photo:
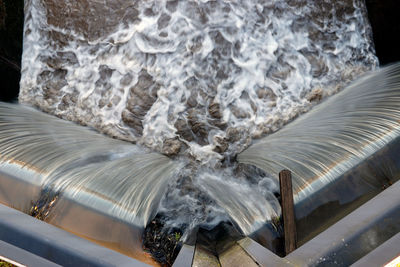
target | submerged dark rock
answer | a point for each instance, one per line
(171, 147)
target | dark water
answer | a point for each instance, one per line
(11, 25)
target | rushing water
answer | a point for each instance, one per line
(198, 80)
(197, 77)
(335, 136)
(69, 159)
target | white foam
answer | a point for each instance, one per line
(233, 50)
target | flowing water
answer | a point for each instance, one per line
(335, 136)
(200, 78)
(71, 158)
(199, 81)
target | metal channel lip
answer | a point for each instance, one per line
(100, 227)
(382, 255)
(33, 176)
(21, 257)
(16, 173)
(350, 228)
(20, 184)
(23, 171)
(335, 239)
(300, 193)
(303, 208)
(185, 256)
(99, 203)
(54, 244)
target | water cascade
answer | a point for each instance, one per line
(336, 137)
(113, 177)
(197, 92)
(199, 78)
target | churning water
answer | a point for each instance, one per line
(198, 80)
(335, 136)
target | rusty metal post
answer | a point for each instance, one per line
(289, 224)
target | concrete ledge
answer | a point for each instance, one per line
(371, 233)
(55, 245)
(356, 234)
(382, 254)
(22, 256)
(261, 255)
(185, 256)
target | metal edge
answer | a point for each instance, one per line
(369, 219)
(23, 257)
(382, 254)
(261, 255)
(185, 256)
(54, 244)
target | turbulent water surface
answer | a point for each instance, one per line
(198, 79)
(335, 136)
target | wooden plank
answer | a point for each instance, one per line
(285, 182)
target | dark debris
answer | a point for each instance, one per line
(42, 207)
(163, 245)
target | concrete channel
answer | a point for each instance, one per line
(32, 242)
(368, 236)
(96, 226)
(346, 242)
(369, 232)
